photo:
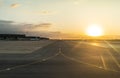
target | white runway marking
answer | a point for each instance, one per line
(24, 65)
(82, 62)
(114, 59)
(103, 61)
(110, 45)
(93, 65)
(8, 69)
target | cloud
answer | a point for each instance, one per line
(5, 22)
(50, 34)
(15, 5)
(44, 12)
(44, 25)
(13, 27)
(41, 26)
(38, 27)
(9, 27)
(42, 29)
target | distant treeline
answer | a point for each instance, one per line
(20, 37)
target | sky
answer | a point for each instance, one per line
(59, 18)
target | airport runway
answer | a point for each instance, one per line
(63, 59)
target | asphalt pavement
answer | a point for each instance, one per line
(63, 59)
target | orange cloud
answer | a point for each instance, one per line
(45, 12)
(15, 5)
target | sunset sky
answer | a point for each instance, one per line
(67, 18)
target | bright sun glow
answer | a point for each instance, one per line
(94, 30)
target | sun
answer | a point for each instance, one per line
(94, 30)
